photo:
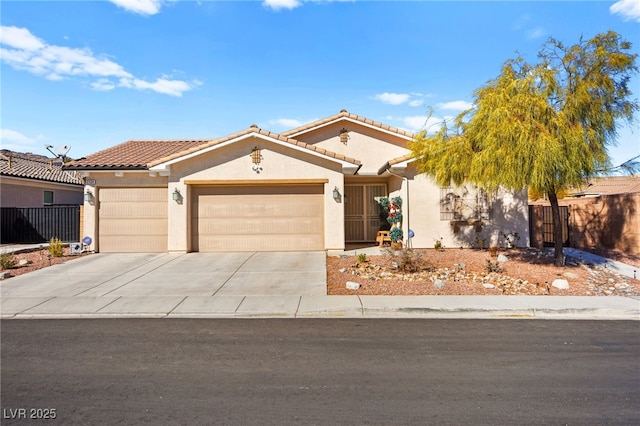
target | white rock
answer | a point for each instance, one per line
(342, 270)
(438, 284)
(488, 286)
(24, 262)
(351, 285)
(502, 258)
(571, 275)
(561, 284)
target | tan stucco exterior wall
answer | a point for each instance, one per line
(509, 214)
(30, 193)
(231, 164)
(373, 148)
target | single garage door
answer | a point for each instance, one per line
(257, 218)
(132, 220)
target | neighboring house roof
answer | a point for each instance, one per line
(134, 155)
(254, 130)
(609, 185)
(344, 114)
(142, 155)
(35, 167)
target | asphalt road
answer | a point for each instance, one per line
(123, 371)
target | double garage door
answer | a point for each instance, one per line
(257, 218)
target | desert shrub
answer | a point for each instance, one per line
(410, 261)
(362, 258)
(493, 266)
(7, 261)
(56, 248)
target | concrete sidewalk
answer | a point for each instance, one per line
(314, 306)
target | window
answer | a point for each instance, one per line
(48, 198)
(464, 202)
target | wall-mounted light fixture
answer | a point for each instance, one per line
(88, 196)
(177, 196)
(344, 136)
(256, 159)
(336, 195)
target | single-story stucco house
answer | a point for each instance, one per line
(33, 180)
(311, 188)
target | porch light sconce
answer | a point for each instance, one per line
(256, 159)
(88, 196)
(177, 196)
(336, 195)
(344, 136)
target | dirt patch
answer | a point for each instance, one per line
(38, 259)
(473, 272)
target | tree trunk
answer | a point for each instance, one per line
(557, 229)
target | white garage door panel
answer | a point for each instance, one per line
(133, 220)
(258, 218)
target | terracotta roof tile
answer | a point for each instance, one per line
(252, 129)
(346, 114)
(610, 185)
(140, 155)
(134, 154)
(35, 167)
(394, 161)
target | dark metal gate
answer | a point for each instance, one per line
(39, 224)
(547, 224)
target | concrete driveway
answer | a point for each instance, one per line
(166, 274)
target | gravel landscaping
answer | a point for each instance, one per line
(474, 272)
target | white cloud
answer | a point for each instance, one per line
(281, 4)
(286, 122)
(536, 33)
(628, 9)
(455, 105)
(416, 102)
(16, 141)
(23, 51)
(20, 38)
(289, 123)
(392, 98)
(141, 7)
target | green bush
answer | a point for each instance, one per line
(362, 258)
(56, 249)
(396, 234)
(7, 261)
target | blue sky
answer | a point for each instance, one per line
(92, 74)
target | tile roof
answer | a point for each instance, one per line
(610, 185)
(134, 154)
(345, 114)
(395, 161)
(250, 130)
(35, 167)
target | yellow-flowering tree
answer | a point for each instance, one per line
(545, 125)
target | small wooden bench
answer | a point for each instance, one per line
(382, 237)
